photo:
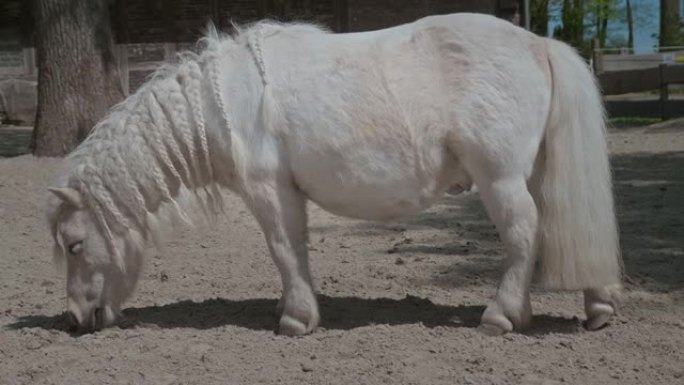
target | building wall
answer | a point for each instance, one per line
(148, 21)
(151, 31)
(155, 21)
(369, 15)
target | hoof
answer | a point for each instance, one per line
(291, 327)
(493, 324)
(497, 319)
(599, 305)
(598, 315)
(298, 313)
(491, 330)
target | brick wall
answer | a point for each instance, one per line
(157, 21)
(369, 15)
(140, 21)
(150, 27)
(240, 11)
(16, 62)
(11, 57)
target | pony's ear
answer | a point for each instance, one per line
(68, 195)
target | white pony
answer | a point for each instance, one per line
(376, 125)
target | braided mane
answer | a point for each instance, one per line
(153, 146)
(149, 148)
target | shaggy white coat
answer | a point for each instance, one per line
(375, 125)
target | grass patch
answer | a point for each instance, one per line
(632, 121)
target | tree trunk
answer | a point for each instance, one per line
(539, 17)
(670, 24)
(602, 14)
(78, 78)
(572, 16)
(630, 25)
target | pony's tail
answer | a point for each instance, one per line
(579, 241)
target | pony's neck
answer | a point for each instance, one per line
(149, 150)
(176, 106)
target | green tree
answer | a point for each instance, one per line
(630, 24)
(572, 19)
(539, 17)
(585, 20)
(603, 10)
(670, 23)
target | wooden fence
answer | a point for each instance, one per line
(638, 85)
(659, 104)
(652, 83)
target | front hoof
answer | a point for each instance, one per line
(290, 326)
(492, 330)
(493, 324)
(497, 319)
(299, 316)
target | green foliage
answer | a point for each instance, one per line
(539, 17)
(582, 21)
(632, 121)
(670, 24)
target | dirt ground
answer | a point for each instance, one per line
(400, 302)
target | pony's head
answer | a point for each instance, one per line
(102, 268)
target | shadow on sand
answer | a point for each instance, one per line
(649, 196)
(340, 313)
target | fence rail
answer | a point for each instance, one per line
(642, 80)
(137, 61)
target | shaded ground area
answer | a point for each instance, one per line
(14, 140)
(650, 203)
(399, 301)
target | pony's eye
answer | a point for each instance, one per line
(76, 247)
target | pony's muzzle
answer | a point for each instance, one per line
(71, 319)
(94, 320)
(98, 318)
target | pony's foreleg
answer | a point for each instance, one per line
(512, 209)
(281, 212)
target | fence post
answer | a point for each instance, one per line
(597, 56)
(122, 59)
(169, 51)
(664, 91)
(30, 68)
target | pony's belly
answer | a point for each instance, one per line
(393, 192)
(372, 202)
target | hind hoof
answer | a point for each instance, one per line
(599, 305)
(598, 316)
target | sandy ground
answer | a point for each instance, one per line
(399, 301)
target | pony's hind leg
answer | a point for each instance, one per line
(281, 212)
(599, 305)
(512, 209)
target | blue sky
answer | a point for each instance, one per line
(647, 19)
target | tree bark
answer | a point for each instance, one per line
(670, 23)
(572, 16)
(539, 18)
(630, 25)
(78, 78)
(602, 15)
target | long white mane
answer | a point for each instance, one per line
(153, 146)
